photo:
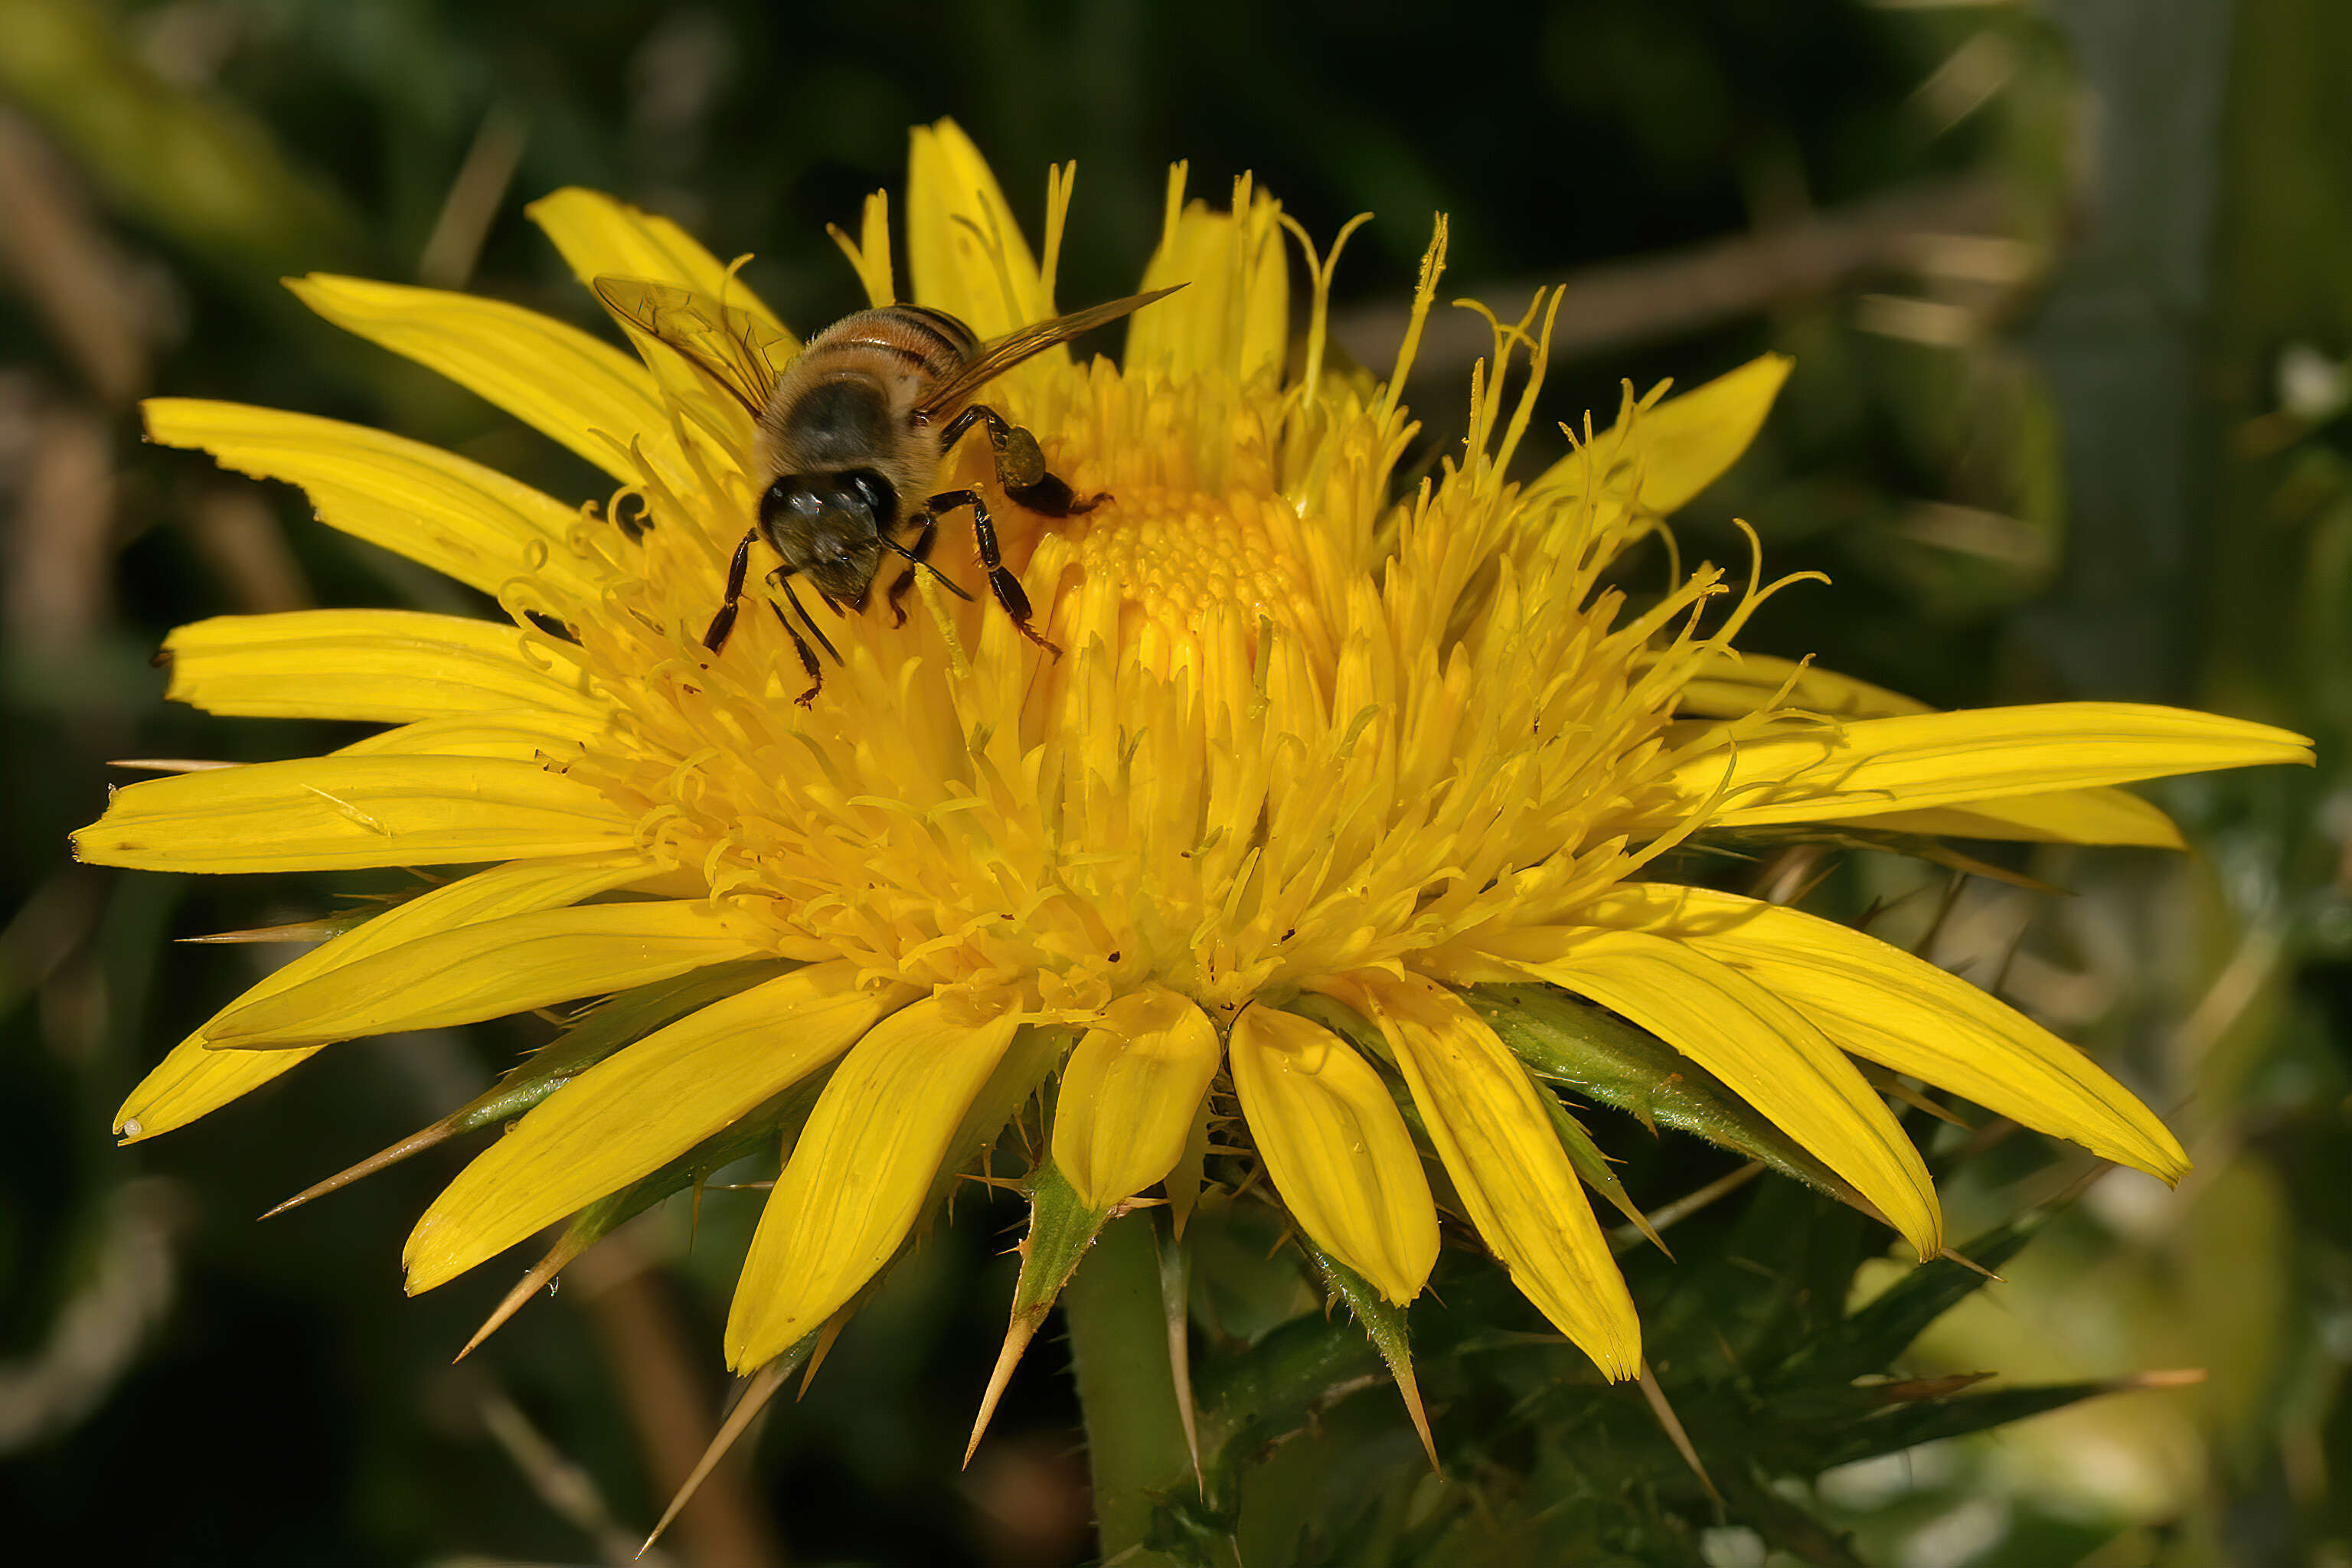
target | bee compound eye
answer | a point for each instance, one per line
(878, 494)
(776, 498)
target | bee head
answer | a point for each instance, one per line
(829, 528)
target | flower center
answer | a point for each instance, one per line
(1175, 556)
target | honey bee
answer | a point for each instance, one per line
(854, 427)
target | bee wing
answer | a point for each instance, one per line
(994, 359)
(734, 347)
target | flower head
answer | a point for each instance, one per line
(1332, 782)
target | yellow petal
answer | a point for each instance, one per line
(1763, 1049)
(1128, 1094)
(195, 1080)
(335, 814)
(1690, 440)
(634, 1112)
(1336, 1148)
(599, 235)
(515, 737)
(1729, 685)
(1496, 1141)
(1233, 316)
(1686, 442)
(553, 377)
(2065, 816)
(964, 248)
(389, 665)
(1875, 765)
(857, 1178)
(494, 968)
(1902, 1012)
(463, 520)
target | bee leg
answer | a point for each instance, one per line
(1020, 465)
(1000, 580)
(917, 554)
(808, 656)
(723, 622)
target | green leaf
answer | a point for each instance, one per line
(1869, 1341)
(1602, 1057)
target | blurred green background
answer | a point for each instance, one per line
(2069, 285)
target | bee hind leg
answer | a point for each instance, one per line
(1021, 465)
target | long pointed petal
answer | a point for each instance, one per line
(634, 1112)
(463, 520)
(1688, 440)
(598, 235)
(519, 735)
(964, 248)
(195, 1080)
(1233, 318)
(1334, 1148)
(1902, 1012)
(554, 377)
(386, 666)
(858, 1176)
(1729, 685)
(1766, 1051)
(1875, 765)
(1129, 1096)
(495, 968)
(335, 814)
(2064, 816)
(1498, 1143)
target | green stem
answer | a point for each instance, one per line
(1118, 1344)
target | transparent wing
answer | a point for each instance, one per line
(734, 347)
(994, 359)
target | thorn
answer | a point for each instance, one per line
(1176, 1310)
(1687, 1205)
(1906, 1390)
(1948, 1255)
(1674, 1433)
(415, 1142)
(1409, 1387)
(301, 931)
(2176, 1377)
(826, 1336)
(558, 1258)
(2079, 1186)
(170, 765)
(758, 1390)
(1018, 1335)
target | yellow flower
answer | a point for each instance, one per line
(1315, 754)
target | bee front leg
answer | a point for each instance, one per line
(1021, 465)
(723, 622)
(1000, 580)
(917, 553)
(808, 655)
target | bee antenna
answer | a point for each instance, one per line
(941, 578)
